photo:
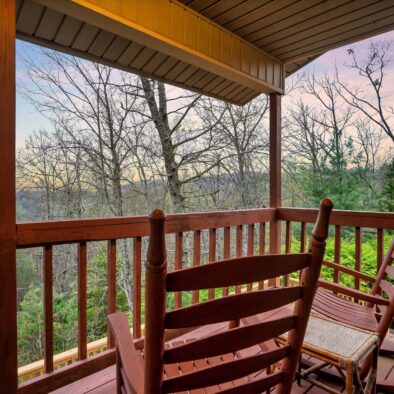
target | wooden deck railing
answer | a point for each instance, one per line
(226, 234)
(373, 222)
(249, 227)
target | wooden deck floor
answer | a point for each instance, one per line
(103, 382)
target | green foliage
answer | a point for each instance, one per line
(65, 313)
(387, 198)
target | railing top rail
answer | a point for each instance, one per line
(383, 220)
(75, 230)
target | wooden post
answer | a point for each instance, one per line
(155, 300)
(275, 173)
(8, 344)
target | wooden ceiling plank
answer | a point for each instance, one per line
(213, 84)
(221, 7)
(117, 47)
(155, 62)
(178, 69)
(295, 23)
(236, 92)
(86, 36)
(143, 58)
(196, 77)
(29, 17)
(101, 43)
(187, 73)
(332, 31)
(49, 24)
(224, 84)
(247, 97)
(245, 27)
(166, 66)
(357, 34)
(260, 14)
(326, 21)
(201, 5)
(68, 31)
(204, 81)
(18, 7)
(130, 53)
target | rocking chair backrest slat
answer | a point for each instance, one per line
(231, 272)
(236, 271)
(232, 307)
(230, 340)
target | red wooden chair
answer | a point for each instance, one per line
(154, 373)
(375, 314)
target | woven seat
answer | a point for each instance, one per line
(328, 303)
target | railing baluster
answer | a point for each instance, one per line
(357, 259)
(111, 284)
(212, 256)
(250, 247)
(380, 247)
(226, 251)
(303, 237)
(196, 261)
(288, 247)
(48, 308)
(82, 278)
(238, 250)
(337, 251)
(262, 248)
(137, 283)
(178, 266)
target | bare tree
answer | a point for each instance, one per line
(243, 142)
(369, 98)
(185, 144)
(84, 100)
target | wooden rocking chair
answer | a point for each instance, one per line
(154, 372)
(374, 315)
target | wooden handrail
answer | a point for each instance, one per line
(379, 220)
(77, 230)
(202, 226)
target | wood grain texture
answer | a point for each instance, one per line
(236, 271)
(8, 289)
(233, 307)
(76, 230)
(82, 283)
(225, 371)
(230, 341)
(275, 169)
(48, 308)
(137, 284)
(111, 285)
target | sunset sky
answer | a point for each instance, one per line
(28, 119)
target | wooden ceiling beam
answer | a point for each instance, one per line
(175, 30)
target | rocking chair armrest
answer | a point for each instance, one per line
(336, 287)
(130, 359)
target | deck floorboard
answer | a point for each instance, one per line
(103, 382)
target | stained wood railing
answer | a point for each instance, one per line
(226, 233)
(373, 223)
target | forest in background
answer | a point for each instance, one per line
(122, 145)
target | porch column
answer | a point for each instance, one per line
(8, 344)
(275, 168)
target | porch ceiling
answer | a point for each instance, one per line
(230, 49)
